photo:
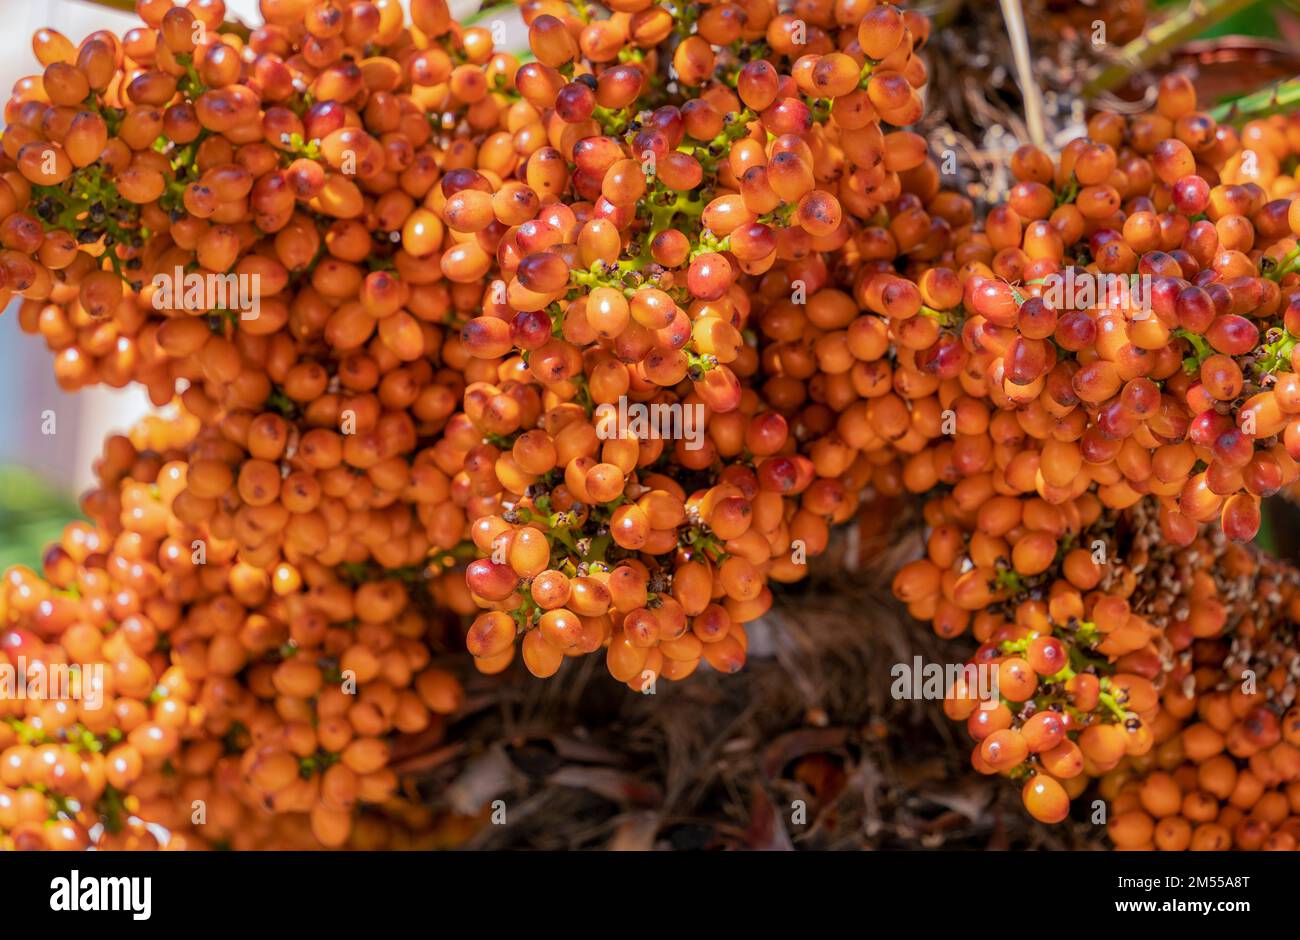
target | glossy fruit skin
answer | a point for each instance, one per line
(474, 269)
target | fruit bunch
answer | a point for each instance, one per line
(1088, 438)
(616, 258)
(581, 354)
(1225, 769)
(1060, 687)
(1179, 382)
(183, 147)
(354, 440)
(228, 703)
(1091, 668)
(602, 212)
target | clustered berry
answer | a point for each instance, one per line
(470, 268)
(1164, 409)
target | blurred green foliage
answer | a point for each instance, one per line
(1258, 19)
(33, 513)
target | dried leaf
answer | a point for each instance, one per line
(795, 744)
(485, 777)
(636, 833)
(616, 785)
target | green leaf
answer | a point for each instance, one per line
(32, 515)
